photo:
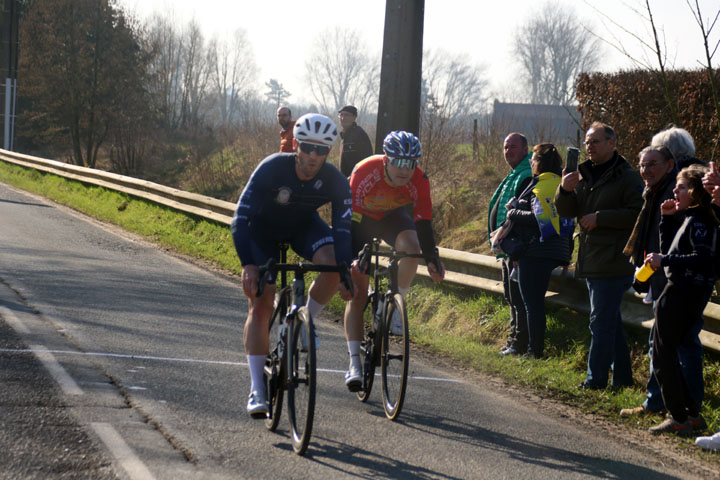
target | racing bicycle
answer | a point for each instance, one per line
(291, 364)
(379, 347)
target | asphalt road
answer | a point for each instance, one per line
(118, 360)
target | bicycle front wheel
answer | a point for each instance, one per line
(395, 356)
(273, 365)
(301, 380)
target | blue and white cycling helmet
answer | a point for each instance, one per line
(402, 149)
(315, 128)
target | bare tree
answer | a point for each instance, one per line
(233, 73)
(453, 91)
(706, 28)
(180, 72)
(276, 92)
(553, 48)
(656, 47)
(195, 59)
(340, 71)
(163, 41)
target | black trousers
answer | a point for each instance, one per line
(518, 337)
(676, 312)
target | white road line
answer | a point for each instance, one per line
(14, 321)
(127, 459)
(193, 360)
(67, 384)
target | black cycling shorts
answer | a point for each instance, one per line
(315, 234)
(363, 228)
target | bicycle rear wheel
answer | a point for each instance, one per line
(369, 350)
(301, 380)
(394, 358)
(274, 364)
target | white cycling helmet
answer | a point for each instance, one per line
(315, 128)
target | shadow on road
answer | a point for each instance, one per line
(564, 462)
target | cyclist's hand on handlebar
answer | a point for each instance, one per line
(345, 293)
(250, 281)
(355, 268)
(436, 269)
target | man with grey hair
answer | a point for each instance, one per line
(690, 352)
(680, 143)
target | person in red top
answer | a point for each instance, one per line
(383, 188)
(284, 116)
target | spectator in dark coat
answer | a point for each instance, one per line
(550, 244)
(606, 202)
(356, 144)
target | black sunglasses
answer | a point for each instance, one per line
(321, 150)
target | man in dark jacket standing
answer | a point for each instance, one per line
(605, 195)
(356, 144)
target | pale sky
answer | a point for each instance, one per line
(281, 32)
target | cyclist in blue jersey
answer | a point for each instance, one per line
(279, 204)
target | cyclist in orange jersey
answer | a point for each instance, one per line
(383, 188)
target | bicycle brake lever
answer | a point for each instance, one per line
(364, 258)
(346, 278)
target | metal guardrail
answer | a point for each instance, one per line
(466, 269)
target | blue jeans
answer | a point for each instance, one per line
(608, 346)
(534, 278)
(690, 355)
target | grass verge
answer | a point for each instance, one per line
(455, 322)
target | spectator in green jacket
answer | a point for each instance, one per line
(518, 158)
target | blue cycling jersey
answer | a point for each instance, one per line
(278, 206)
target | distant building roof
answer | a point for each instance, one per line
(539, 123)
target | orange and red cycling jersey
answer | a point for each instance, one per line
(372, 194)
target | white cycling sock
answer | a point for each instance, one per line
(354, 350)
(257, 365)
(403, 291)
(314, 307)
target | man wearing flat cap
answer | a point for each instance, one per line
(356, 144)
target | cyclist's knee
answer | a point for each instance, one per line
(324, 255)
(407, 241)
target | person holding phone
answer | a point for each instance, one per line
(605, 195)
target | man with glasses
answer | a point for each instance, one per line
(279, 204)
(605, 194)
(356, 144)
(383, 187)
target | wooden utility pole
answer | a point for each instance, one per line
(8, 70)
(401, 69)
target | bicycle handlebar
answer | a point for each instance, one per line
(264, 272)
(367, 252)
